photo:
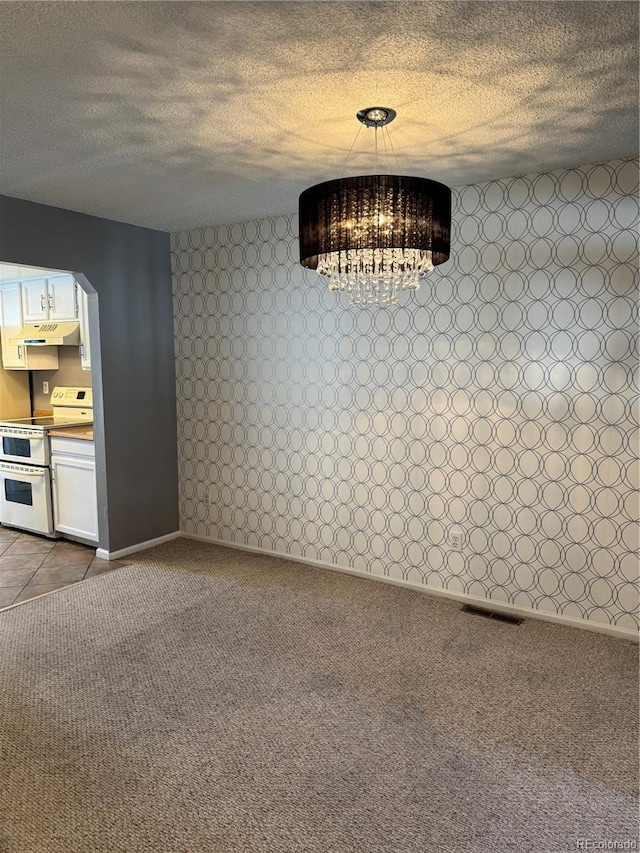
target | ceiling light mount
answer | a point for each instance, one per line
(376, 116)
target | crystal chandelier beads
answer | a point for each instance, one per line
(374, 276)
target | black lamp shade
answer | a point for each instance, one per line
(374, 212)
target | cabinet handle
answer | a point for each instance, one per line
(50, 302)
(42, 302)
(81, 350)
(19, 353)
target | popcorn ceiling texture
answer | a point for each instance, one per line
(500, 399)
(173, 115)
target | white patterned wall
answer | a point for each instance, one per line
(500, 399)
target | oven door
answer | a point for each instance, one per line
(25, 498)
(18, 445)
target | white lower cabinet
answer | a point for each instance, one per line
(73, 474)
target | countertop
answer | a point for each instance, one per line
(84, 433)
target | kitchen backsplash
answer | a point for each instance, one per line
(69, 373)
(499, 401)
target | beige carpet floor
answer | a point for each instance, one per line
(203, 699)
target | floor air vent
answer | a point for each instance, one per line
(491, 614)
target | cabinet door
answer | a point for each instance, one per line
(75, 504)
(34, 301)
(13, 357)
(61, 298)
(83, 316)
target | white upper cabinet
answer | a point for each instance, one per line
(62, 299)
(52, 298)
(83, 316)
(19, 357)
(13, 356)
(34, 300)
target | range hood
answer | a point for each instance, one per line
(48, 334)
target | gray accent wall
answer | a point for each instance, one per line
(132, 348)
(498, 404)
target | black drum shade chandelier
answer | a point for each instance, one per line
(374, 235)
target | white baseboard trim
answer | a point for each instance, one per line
(462, 597)
(141, 546)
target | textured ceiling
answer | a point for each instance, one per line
(177, 114)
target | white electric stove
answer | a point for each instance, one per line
(25, 477)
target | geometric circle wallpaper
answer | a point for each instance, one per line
(498, 404)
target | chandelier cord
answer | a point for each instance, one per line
(395, 156)
(375, 148)
(344, 162)
(386, 152)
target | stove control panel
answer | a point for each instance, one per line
(75, 397)
(25, 432)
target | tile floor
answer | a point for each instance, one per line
(31, 565)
